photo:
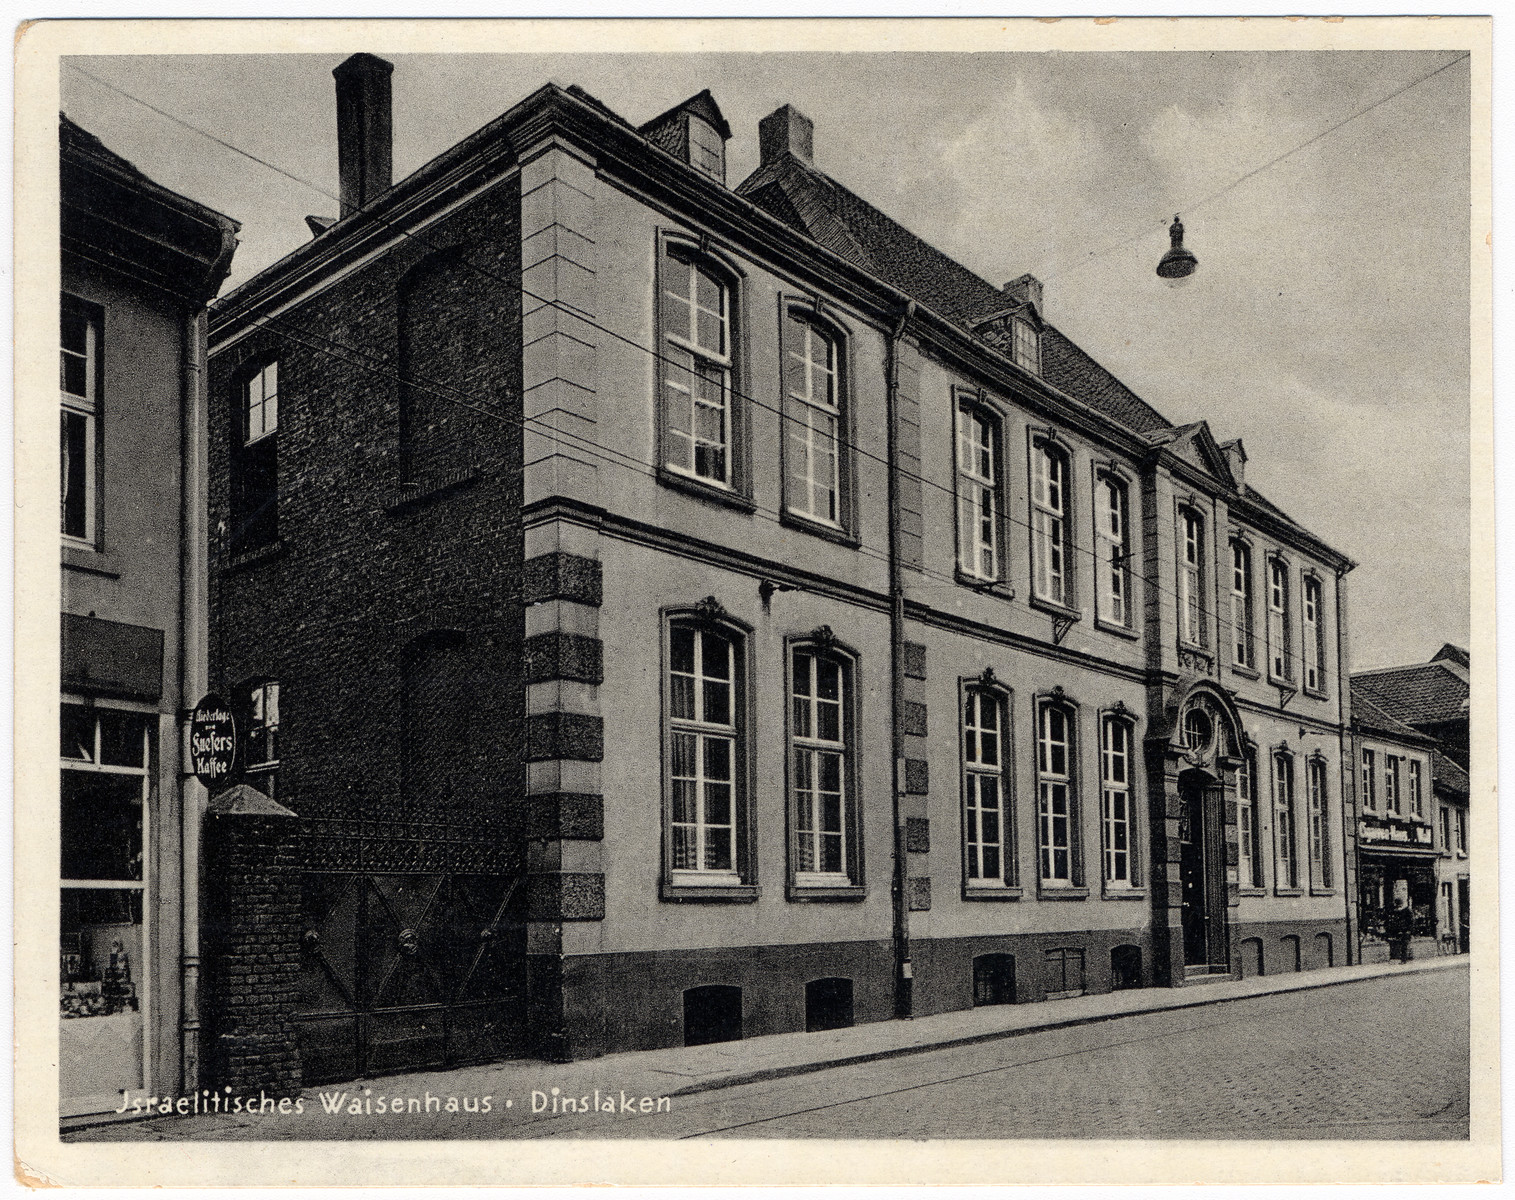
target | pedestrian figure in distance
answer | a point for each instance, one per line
(1397, 929)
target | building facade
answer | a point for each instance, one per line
(702, 611)
(139, 263)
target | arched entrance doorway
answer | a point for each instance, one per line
(1194, 846)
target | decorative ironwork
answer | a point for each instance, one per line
(710, 609)
(988, 678)
(823, 637)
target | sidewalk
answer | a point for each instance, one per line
(486, 1100)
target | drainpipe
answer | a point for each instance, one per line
(1348, 749)
(903, 977)
(193, 649)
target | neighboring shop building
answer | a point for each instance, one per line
(1425, 706)
(700, 612)
(139, 263)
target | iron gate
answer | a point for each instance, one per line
(405, 969)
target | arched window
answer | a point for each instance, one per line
(1112, 529)
(1285, 846)
(824, 844)
(988, 831)
(814, 421)
(1051, 551)
(696, 322)
(1279, 665)
(1249, 822)
(1191, 578)
(706, 753)
(1313, 642)
(1320, 824)
(980, 485)
(1242, 651)
(1117, 802)
(1056, 796)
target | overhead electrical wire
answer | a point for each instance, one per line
(612, 455)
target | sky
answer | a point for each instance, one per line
(1327, 325)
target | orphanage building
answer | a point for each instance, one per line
(679, 611)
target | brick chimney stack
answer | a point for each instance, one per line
(364, 130)
(786, 130)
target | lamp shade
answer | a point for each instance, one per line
(1178, 263)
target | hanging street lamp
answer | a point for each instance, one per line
(1178, 264)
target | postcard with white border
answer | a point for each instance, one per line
(799, 601)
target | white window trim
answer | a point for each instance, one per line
(1243, 641)
(1317, 785)
(690, 258)
(1109, 790)
(969, 538)
(1046, 781)
(1193, 628)
(88, 407)
(259, 377)
(972, 769)
(814, 746)
(1050, 524)
(1280, 665)
(1285, 825)
(701, 730)
(811, 407)
(1113, 548)
(1312, 631)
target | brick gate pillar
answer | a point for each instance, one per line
(251, 926)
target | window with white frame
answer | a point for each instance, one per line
(1417, 796)
(79, 383)
(1369, 779)
(989, 859)
(824, 850)
(1249, 824)
(1285, 851)
(1112, 528)
(705, 697)
(1391, 798)
(1446, 830)
(1243, 652)
(813, 421)
(1279, 666)
(1460, 820)
(1049, 524)
(695, 317)
(1191, 577)
(1320, 824)
(262, 744)
(1026, 344)
(978, 493)
(1056, 817)
(1117, 815)
(1314, 637)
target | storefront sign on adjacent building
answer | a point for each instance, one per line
(212, 741)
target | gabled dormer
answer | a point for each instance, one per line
(1016, 329)
(695, 132)
(1196, 445)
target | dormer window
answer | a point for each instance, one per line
(707, 152)
(1026, 345)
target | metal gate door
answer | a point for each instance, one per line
(404, 970)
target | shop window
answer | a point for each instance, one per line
(80, 357)
(993, 979)
(987, 833)
(706, 766)
(1051, 544)
(105, 791)
(255, 460)
(824, 845)
(828, 1004)
(1065, 973)
(712, 1014)
(980, 485)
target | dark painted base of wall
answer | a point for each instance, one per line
(944, 966)
(1282, 947)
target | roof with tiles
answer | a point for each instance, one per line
(1368, 715)
(1422, 694)
(812, 202)
(1447, 775)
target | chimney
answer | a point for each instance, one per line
(364, 131)
(786, 130)
(1236, 459)
(1026, 290)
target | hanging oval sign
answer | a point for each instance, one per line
(212, 741)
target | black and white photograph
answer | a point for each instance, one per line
(872, 586)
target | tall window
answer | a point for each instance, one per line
(1278, 620)
(707, 149)
(1460, 819)
(255, 461)
(1417, 796)
(704, 703)
(813, 422)
(824, 850)
(1283, 821)
(1242, 651)
(1249, 823)
(1314, 638)
(1191, 577)
(1369, 780)
(1026, 345)
(1446, 830)
(1391, 784)
(262, 764)
(79, 383)
(1320, 825)
(1113, 545)
(1049, 524)
(986, 813)
(1117, 818)
(696, 323)
(978, 494)
(1056, 830)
